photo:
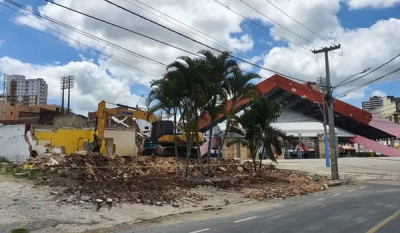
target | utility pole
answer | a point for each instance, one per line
(322, 87)
(3, 107)
(331, 117)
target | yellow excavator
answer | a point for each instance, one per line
(160, 142)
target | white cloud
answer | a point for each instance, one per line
(355, 95)
(379, 93)
(1, 42)
(92, 83)
(362, 48)
(358, 4)
(365, 47)
(30, 19)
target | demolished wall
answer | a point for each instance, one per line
(13, 144)
(70, 120)
(124, 141)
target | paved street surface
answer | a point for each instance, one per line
(360, 169)
(355, 208)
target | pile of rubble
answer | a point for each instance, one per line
(155, 180)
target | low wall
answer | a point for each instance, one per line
(13, 143)
(72, 139)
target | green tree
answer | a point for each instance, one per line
(163, 96)
(239, 89)
(268, 112)
(257, 130)
(218, 69)
(189, 76)
(246, 125)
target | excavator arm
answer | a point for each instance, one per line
(101, 122)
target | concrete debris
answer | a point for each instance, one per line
(152, 180)
(176, 205)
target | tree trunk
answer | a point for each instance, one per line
(209, 151)
(254, 164)
(199, 154)
(221, 146)
(261, 158)
(176, 145)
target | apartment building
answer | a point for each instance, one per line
(390, 109)
(373, 102)
(28, 92)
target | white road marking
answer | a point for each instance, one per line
(202, 230)
(321, 199)
(362, 187)
(337, 194)
(245, 219)
(350, 191)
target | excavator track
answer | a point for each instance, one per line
(169, 151)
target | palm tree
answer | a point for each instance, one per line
(189, 76)
(268, 112)
(256, 122)
(240, 89)
(166, 99)
(218, 69)
(246, 125)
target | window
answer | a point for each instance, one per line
(11, 113)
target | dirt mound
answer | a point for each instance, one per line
(152, 179)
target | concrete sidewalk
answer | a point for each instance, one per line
(361, 169)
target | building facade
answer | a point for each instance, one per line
(20, 112)
(373, 102)
(28, 92)
(389, 110)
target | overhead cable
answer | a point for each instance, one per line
(259, 25)
(371, 71)
(279, 24)
(299, 22)
(81, 32)
(194, 29)
(93, 49)
(165, 43)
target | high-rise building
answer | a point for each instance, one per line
(373, 102)
(28, 92)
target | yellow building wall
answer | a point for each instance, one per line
(73, 139)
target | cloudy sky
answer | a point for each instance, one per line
(108, 63)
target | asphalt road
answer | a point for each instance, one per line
(362, 208)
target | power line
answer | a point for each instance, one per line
(148, 37)
(299, 22)
(77, 42)
(279, 24)
(374, 80)
(78, 31)
(370, 71)
(227, 45)
(259, 25)
(120, 27)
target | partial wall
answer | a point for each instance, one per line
(73, 139)
(124, 142)
(13, 144)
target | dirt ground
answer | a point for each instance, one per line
(88, 192)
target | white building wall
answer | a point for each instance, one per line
(13, 145)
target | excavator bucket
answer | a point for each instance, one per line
(92, 146)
